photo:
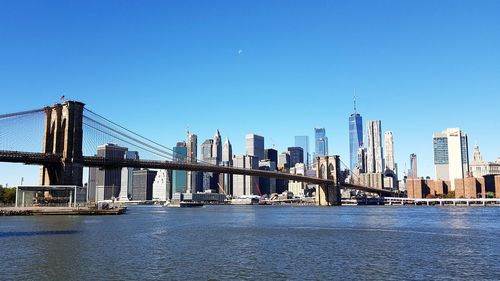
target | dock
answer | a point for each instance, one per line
(60, 211)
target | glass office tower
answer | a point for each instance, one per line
(355, 138)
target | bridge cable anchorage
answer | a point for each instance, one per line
(175, 154)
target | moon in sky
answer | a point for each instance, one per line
(240, 51)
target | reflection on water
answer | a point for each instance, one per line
(256, 243)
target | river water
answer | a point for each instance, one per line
(256, 243)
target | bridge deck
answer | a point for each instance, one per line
(34, 158)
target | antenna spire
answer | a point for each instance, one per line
(355, 109)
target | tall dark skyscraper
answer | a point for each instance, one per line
(355, 136)
(271, 154)
(303, 141)
(296, 155)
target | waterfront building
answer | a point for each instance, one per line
(479, 167)
(192, 155)
(108, 181)
(321, 142)
(303, 142)
(227, 179)
(127, 177)
(297, 188)
(296, 155)
(245, 185)
(179, 178)
(91, 185)
(451, 155)
(267, 185)
(469, 187)
(255, 146)
(374, 154)
(355, 136)
(162, 185)
(143, 184)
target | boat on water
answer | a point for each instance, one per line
(245, 200)
(183, 204)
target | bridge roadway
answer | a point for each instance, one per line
(36, 158)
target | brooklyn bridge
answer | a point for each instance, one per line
(70, 132)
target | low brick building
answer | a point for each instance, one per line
(470, 187)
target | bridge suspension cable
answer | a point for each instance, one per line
(22, 131)
(111, 129)
(160, 154)
(123, 135)
(2, 116)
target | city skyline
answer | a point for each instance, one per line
(416, 85)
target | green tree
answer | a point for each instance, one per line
(7, 195)
(450, 195)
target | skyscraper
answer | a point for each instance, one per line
(361, 160)
(255, 146)
(303, 141)
(227, 151)
(108, 181)
(206, 180)
(284, 161)
(143, 184)
(245, 185)
(127, 177)
(162, 186)
(451, 155)
(296, 155)
(413, 172)
(179, 178)
(374, 160)
(227, 161)
(389, 151)
(355, 136)
(271, 154)
(321, 142)
(267, 185)
(206, 150)
(217, 147)
(192, 154)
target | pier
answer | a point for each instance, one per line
(59, 211)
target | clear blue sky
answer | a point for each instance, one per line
(159, 66)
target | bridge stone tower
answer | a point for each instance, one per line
(328, 167)
(63, 135)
